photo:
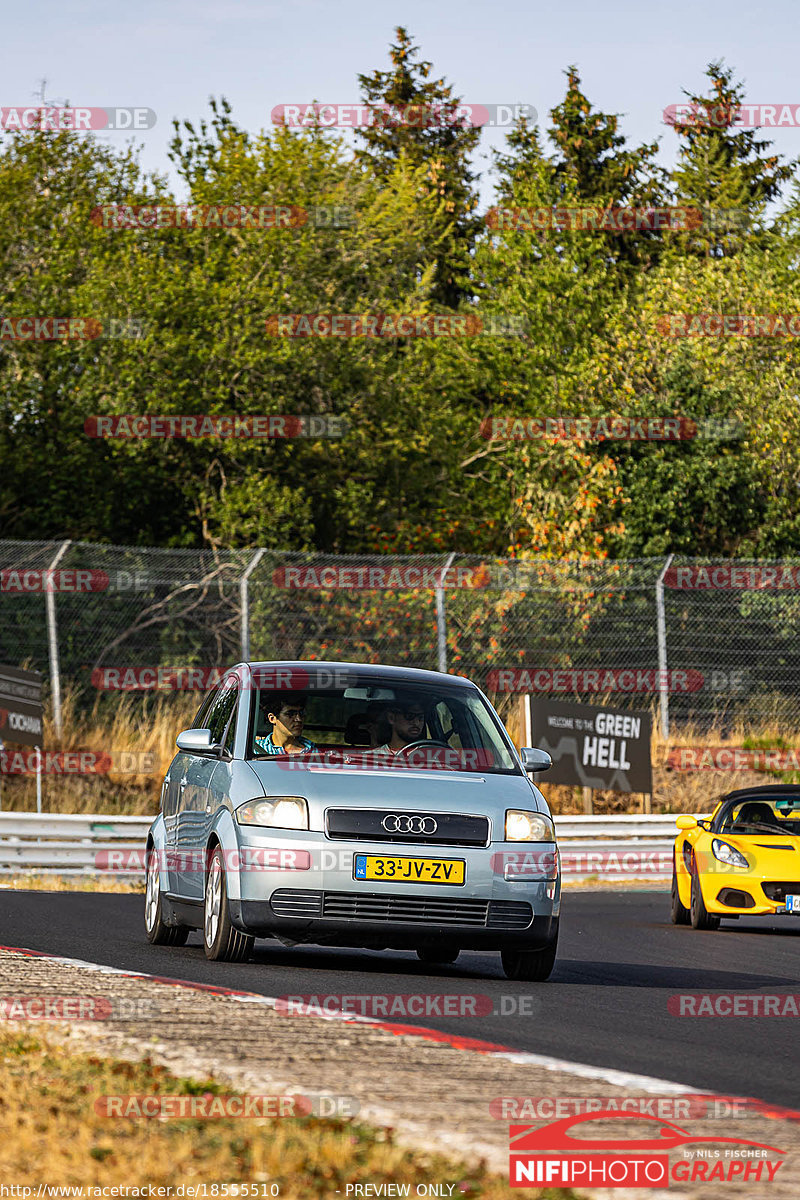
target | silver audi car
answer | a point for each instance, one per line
(345, 804)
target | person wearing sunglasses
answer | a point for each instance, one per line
(406, 720)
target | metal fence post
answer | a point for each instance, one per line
(661, 631)
(52, 639)
(244, 594)
(441, 623)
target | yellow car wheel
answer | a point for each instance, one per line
(679, 914)
(698, 913)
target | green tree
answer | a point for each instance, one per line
(429, 133)
(725, 171)
(593, 163)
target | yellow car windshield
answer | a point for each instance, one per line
(762, 816)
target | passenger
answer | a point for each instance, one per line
(286, 713)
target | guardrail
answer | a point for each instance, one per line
(613, 848)
(66, 844)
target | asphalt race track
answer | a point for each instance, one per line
(606, 1003)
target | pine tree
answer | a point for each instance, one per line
(593, 162)
(430, 134)
(593, 165)
(724, 170)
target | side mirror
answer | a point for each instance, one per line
(686, 822)
(197, 741)
(535, 760)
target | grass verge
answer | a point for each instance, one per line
(51, 1133)
(70, 883)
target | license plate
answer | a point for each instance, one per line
(793, 904)
(382, 868)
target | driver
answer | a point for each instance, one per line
(406, 719)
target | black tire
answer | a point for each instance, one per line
(530, 966)
(699, 915)
(679, 914)
(434, 956)
(158, 933)
(221, 942)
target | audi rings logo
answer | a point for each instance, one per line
(405, 823)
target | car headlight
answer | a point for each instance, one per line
(728, 854)
(281, 812)
(522, 826)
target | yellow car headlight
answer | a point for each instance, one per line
(279, 812)
(523, 826)
(728, 854)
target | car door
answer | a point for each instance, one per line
(174, 800)
(196, 810)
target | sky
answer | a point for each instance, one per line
(171, 55)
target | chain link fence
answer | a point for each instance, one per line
(704, 642)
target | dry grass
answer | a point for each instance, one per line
(50, 1133)
(71, 883)
(116, 725)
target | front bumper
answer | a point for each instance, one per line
(746, 896)
(317, 900)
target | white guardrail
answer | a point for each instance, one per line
(613, 848)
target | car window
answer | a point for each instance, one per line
(457, 727)
(758, 816)
(443, 717)
(230, 736)
(221, 710)
(204, 709)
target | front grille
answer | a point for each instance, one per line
(402, 910)
(779, 891)
(294, 902)
(435, 828)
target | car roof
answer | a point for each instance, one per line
(765, 790)
(377, 670)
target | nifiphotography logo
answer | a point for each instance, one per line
(551, 1155)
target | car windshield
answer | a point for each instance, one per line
(759, 815)
(372, 722)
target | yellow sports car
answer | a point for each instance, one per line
(740, 861)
